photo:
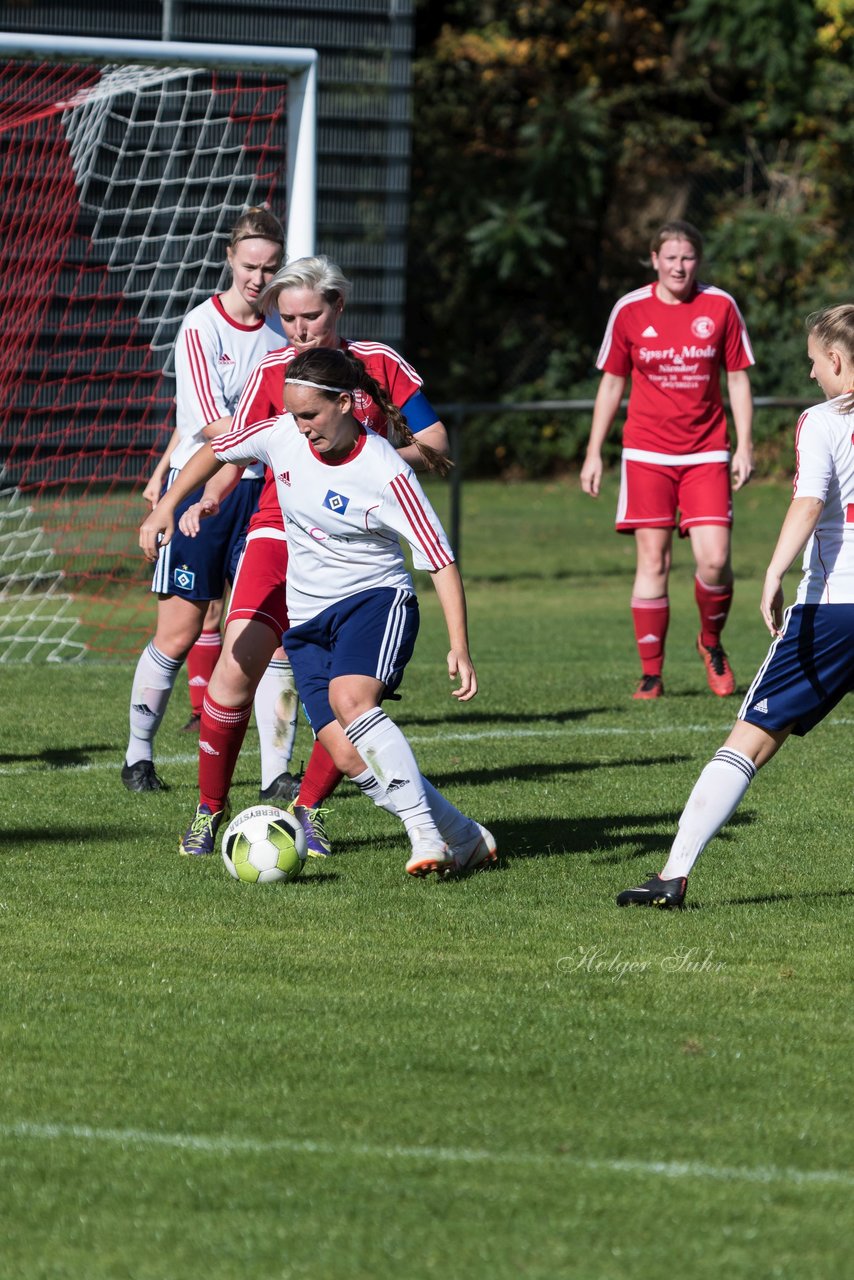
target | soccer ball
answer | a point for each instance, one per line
(263, 844)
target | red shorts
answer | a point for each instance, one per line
(258, 592)
(654, 496)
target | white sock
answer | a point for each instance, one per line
(717, 794)
(454, 827)
(385, 750)
(153, 682)
(276, 709)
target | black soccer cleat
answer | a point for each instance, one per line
(655, 893)
(141, 777)
(285, 787)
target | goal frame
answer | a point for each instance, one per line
(299, 65)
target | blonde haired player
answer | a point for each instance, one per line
(810, 665)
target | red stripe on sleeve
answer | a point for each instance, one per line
(201, 379)
(425, 534)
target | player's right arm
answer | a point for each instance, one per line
(606, 406)
(798, 526)
(157, 529)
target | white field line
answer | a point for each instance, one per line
(471, 735)
(222, 1145)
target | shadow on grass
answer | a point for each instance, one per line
(454, 720)
(762, 898)
(66, 758)
(627, 836)
(530, 772)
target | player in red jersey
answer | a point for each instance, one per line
(673, 338)
(309, 295)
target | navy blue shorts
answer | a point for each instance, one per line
(809, 668)
(369, 634)
(198, 568)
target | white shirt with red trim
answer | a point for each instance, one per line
(674, 354)
(214, 356)
(264, 397)
(824, 448)
(343, 519)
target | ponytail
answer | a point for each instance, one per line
(334, 371)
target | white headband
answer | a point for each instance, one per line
(304, 382)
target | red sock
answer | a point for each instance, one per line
(221, 735)
(201, 661)
(320, 779)
(651, 618)
(713, 603)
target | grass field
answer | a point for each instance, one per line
(358, 1075)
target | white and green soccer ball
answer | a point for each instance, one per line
(264, 844)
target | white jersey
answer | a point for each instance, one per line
(343, 519)
(214, 356)
(825, 469)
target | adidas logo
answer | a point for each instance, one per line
(142, 710)
(649, 332)
(198, 682)
(225, 358)
(207, 748)
(396, 784)
(761, 707)
(648, 639)
(285, 477)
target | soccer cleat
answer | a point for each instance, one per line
(285, 787)
(312, 822)
(192, 725)
(655, 893)
(484, 853)
(718, 671)
(141, 777)
(428, 857)
(648, 687)
(199, 839)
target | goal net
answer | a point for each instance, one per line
(119, 183)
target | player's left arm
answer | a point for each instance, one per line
(423, 422)
(452, 597)
(798, 526)
(741, 405)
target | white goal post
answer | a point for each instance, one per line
(123, 166)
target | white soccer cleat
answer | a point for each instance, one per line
(429, 856)
(482, 852)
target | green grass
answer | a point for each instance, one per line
(356, 1075)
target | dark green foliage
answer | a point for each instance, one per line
(550, 141)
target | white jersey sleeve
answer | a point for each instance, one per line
(214, 357)
(406, 511)
(825, 470)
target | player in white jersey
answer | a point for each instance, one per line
(810, 665)
(348, 499)
(218, 345)
(308, 295)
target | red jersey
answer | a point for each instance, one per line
(263, 397)
(674, 354)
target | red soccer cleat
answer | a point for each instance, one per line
(718, 671)
(648, 687)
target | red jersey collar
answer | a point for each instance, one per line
(348, 457)
(235, 324)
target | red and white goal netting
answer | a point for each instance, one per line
(118, 187)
